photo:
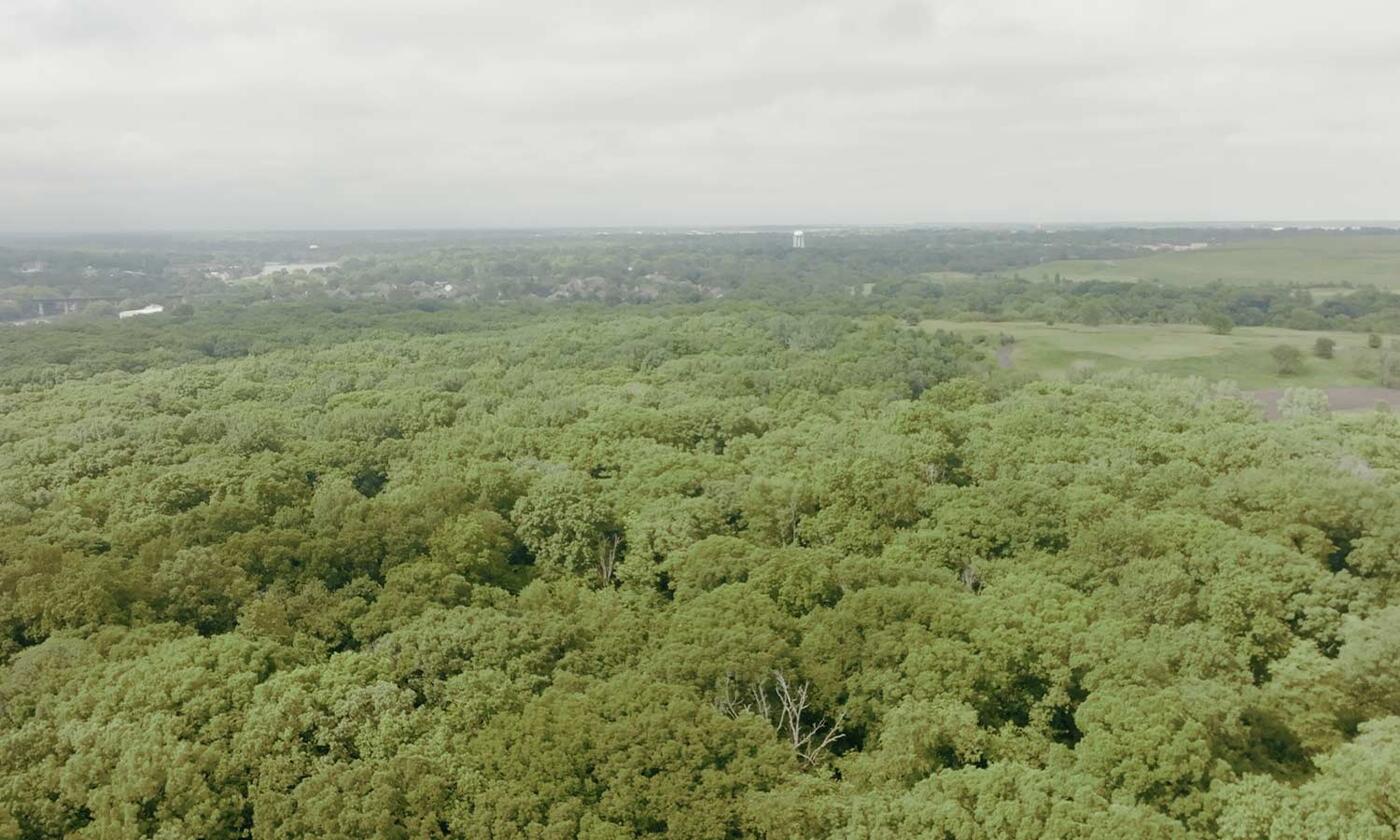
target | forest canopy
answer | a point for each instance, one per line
(347, 569)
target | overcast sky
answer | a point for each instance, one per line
(239, 114)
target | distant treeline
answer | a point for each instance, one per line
(80, 347)
(972, 274)
(1098, 301)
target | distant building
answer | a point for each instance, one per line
(145, 310)
(797, 240)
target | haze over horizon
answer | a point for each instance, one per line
(427, 114)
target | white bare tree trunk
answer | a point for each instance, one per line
(786, 707)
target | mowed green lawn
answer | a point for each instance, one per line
(1321, 259)
(1177, 349)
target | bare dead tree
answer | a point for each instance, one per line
(809, 741)
(794, 518)
(734, 700)
(971, 579)
(787, 708)
(607, 556)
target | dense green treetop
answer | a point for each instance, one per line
(703, 571)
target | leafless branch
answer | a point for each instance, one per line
(786, 706)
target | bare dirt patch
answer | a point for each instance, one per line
(1340, 399)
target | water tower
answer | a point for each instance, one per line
(797, 240)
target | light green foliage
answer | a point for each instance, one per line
(568, 526)
(1288, 360)
(1297, 403)
(705, 572)
(1353, 794)
(476, 544)
(1218, 322)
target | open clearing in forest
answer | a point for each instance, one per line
(1339, 399)
(1178, 349)
(1320, 259)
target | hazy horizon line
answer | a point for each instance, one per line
(1334, 225)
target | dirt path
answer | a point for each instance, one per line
(1004, 356)
(1340, 399)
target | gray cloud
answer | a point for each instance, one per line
(369, 113)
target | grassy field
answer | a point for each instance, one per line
(1178, 349)
(1308, 260)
